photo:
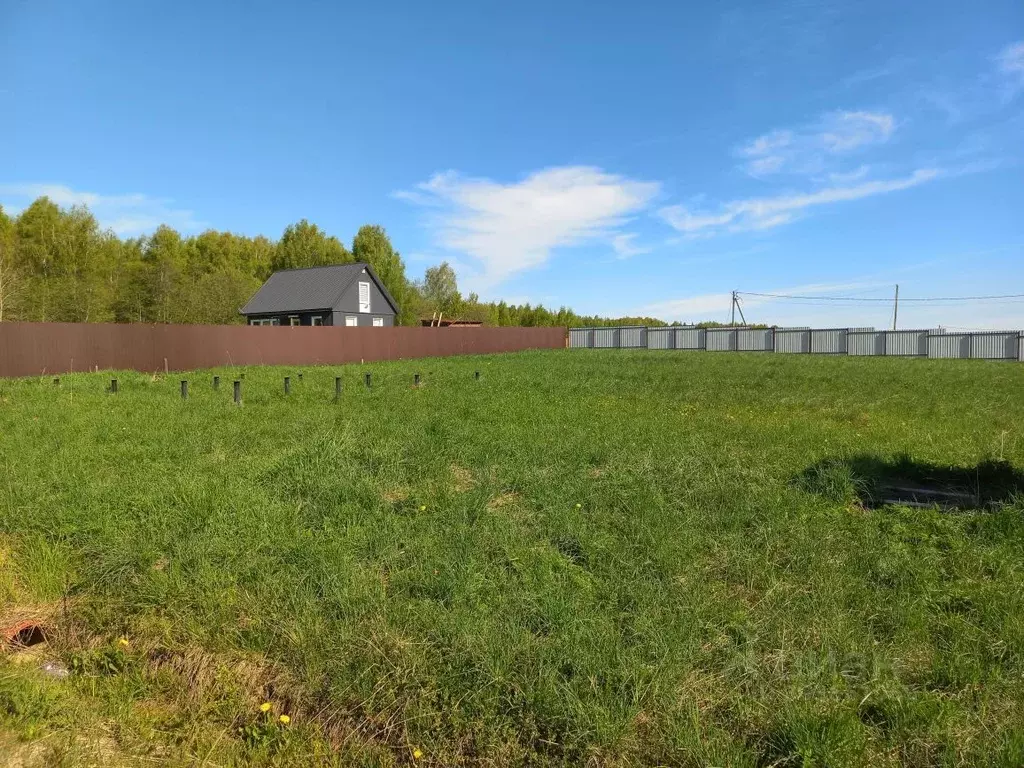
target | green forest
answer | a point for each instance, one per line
(59, 265)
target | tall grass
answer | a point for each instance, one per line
(594, 556)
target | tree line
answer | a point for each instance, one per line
(58, 265)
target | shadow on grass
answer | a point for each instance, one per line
(876, 482)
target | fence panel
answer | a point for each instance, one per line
(1020, 347)
(793, 340)
(581, 337)
(755, 340)
(720, 339)
(829, 341)
(995, 346)
(949, 345)
(606, 337)
(906, 343)
(632, 337)
(690, 338)
(865, 343)
(660, 338)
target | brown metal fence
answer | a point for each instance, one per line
(31, 349)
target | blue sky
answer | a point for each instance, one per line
(613, 157)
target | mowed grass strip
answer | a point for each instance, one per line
(590, 556)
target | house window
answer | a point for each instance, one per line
(263, 321)
(351, 320)
(272, 321)
(364, 297)
(293, 320)
(378, 322)
(317, 320)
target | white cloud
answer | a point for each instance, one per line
(1010, 62)
(848, 177)
(845, 131)
(811, 148)
(625, 246)
(508, 228)
(768, 212)
(126, 215)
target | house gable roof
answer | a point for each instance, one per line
(309, 289)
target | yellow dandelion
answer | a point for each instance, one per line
(265, 706)
(284, 719)
(123, 642)
(423, 508)
(579, 506)
(417, 753)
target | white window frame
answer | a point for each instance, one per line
(316, 320)
(351, 321)
(364, 306)
(294, 320)
(378, 322)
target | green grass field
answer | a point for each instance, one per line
(585, 557)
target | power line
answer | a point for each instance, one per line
(821, 303)
(886, 300)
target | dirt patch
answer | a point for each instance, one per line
(90, 751)
(462, 479)
(502, 500)
(595, 472)
(395, 495)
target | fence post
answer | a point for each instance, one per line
(238, 391)
(216, 383)
(337, 388)
(113, 386)
(287, 385)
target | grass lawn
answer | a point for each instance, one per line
(599, 557)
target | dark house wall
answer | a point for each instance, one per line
(349, 304)
(305, 318)
(364, 319)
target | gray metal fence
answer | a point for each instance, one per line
(793, 340)
(977, 345)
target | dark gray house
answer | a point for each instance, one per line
(339, 294)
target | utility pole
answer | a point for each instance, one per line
(732, 318)
(895, 306)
